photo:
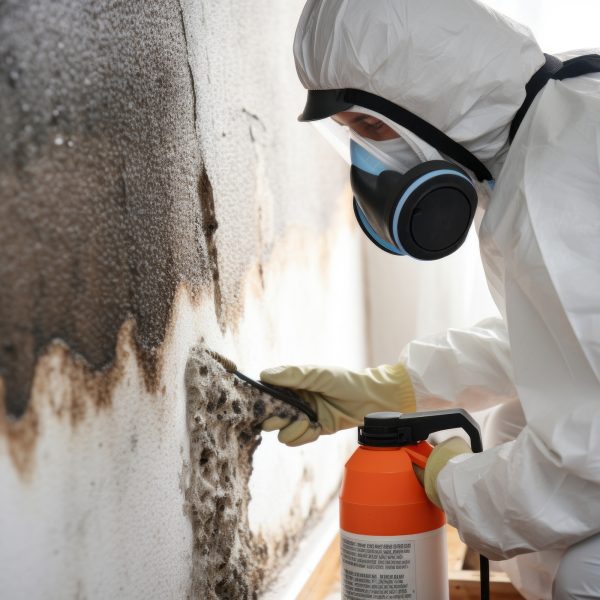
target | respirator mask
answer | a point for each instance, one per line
(408, 198)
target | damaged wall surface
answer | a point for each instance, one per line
(158, 197)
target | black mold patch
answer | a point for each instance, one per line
(228, 562)
(259, 408)
(104, 205)
(210, 225)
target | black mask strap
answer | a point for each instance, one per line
(325, 103)
(427, 132)
(553, 68)
(539, 79)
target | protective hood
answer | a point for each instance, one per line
(456, 64)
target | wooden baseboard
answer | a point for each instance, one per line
(465, 585)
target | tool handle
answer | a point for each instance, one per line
(284, 394)
(420, 425)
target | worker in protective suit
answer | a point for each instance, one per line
(453, 109)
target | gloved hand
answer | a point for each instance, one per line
(437, 460)
(341, 398)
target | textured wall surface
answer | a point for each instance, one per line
(156, 190)
(100, 181)
(224, 417)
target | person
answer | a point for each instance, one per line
(453, 92)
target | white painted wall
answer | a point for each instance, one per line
(408, 298)
(558, 26)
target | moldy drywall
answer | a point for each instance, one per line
(105, 205)
(156, 190)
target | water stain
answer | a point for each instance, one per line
(82, 391)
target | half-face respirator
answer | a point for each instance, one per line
(424, 212)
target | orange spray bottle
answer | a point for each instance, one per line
(393, 539)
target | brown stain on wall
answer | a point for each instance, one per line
(82, 391)
(101, 215)
(210, 225)
(20, 435)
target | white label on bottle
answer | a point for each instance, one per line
(385, 567)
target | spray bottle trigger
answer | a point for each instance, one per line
(419, 453)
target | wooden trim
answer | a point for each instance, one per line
(464, 583)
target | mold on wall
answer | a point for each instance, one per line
(224, 417)
(154, 190)
(100, 217)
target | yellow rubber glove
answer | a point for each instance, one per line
(437, 460)
(341, 398)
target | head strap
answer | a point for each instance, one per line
(553, 68)
(325, 103)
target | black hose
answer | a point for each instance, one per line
(484, 577)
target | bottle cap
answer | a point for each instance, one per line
(384, 429)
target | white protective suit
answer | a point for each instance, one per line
(463, 68)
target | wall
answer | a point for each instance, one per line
(157, 197)
(558, 26)
(408, 299)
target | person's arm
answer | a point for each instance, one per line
(468, 368)
(340, 397)
(542, 490)
(521, 497)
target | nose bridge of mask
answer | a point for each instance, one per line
(366, 161)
